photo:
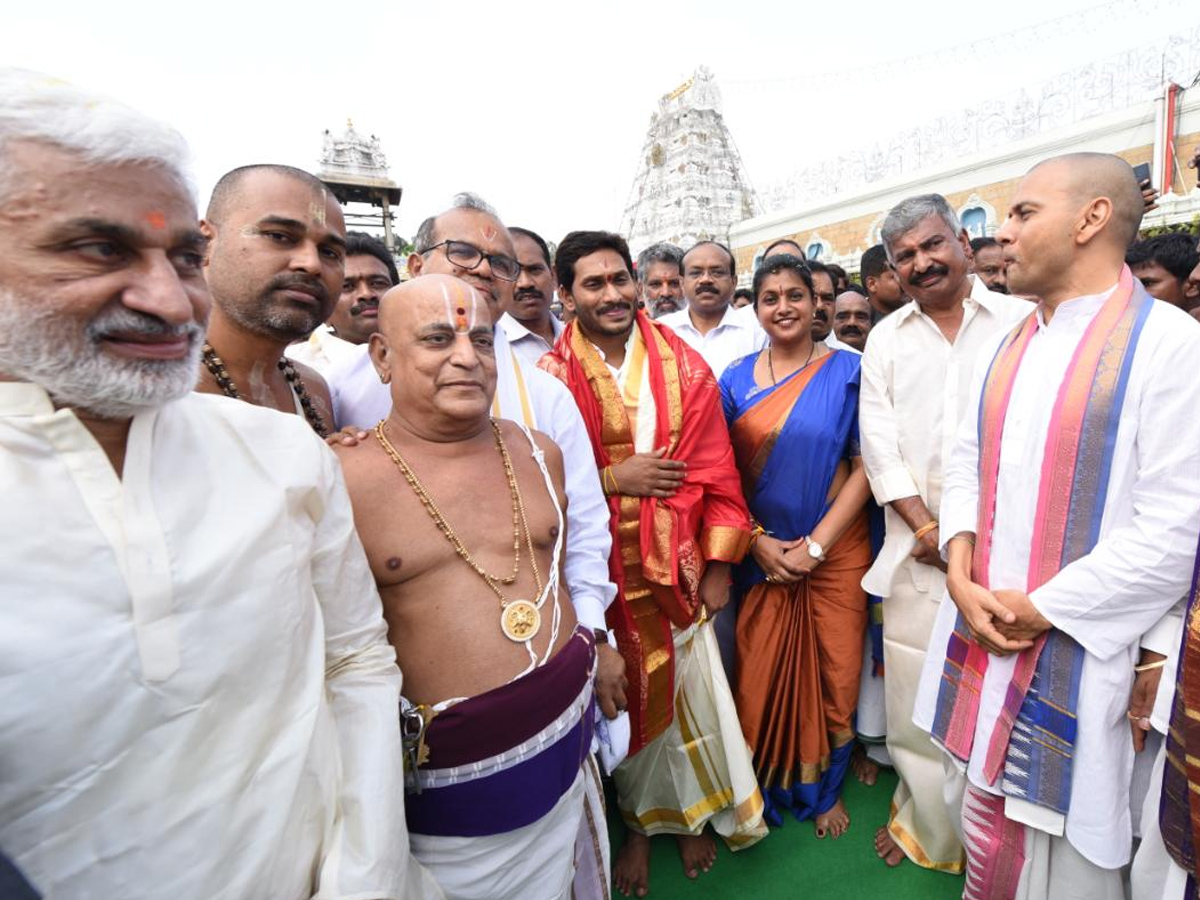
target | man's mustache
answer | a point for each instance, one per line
(529, 294)
(933, 271)
(707, 289)
(298, 279)
(819, 313)
(853, 331)
(362, 306)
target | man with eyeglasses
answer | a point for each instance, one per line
(709, 324)
(370, 273)
(470, 242)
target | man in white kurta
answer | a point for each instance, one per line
(914, 393)
(199, 697)
(1064, 239)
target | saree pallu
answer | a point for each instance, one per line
(799, 646)
(799, 661)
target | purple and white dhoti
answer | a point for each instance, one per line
(510, 795)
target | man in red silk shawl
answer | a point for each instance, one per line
(679, 521)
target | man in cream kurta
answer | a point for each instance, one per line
(1069, 223)
(202, 700)
(914, 393)
(199, 697)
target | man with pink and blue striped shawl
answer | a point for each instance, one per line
(1070, 515)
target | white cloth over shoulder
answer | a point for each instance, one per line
(200, 700)
(538, 400)
(321, 351)
(913, 396)
(1109, 598)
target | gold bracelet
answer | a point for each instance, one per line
(757, 532)
(929, 526)
(1146, 667)
(606, 475)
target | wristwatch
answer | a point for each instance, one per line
(815, 550)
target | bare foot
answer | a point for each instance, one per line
(864, 768)
(631, 868)
(887, 848)
(835, 822)
(698, 853)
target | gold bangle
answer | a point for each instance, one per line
(606, 475)
(929, 526)
(1146, 667)
(755, 534)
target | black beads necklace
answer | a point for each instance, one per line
(216, 366)
(771, 368)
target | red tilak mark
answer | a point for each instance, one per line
(156, 219)
(461, 321)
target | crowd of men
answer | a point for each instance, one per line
(324, 584)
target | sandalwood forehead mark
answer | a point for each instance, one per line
(465, 312)
(316, 210)
(489, 232)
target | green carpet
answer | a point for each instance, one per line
(790, 862)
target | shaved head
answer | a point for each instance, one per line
(1090, 176)
(433, 298)
(435, 348)
(1069, 224)
(235, 183)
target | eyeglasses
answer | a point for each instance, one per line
(468, 256)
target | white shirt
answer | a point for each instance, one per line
(736, 335)
(528, 345)
(199, 697)
(1106, 600)
(833, 343)
(536, 399)
(912, 397)
(321, 351)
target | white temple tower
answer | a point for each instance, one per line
(690, 185)
(356, 171)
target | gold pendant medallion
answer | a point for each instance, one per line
(520, 621)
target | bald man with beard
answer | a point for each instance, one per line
(1069, 520)
(463, 520)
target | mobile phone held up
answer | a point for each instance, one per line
(1142, 173)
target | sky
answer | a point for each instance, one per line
(542, 107)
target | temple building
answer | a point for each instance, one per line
(355, 169)
(690, 184)
(976, 157)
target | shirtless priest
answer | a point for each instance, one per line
(462, 517)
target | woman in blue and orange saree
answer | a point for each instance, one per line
(792, 411)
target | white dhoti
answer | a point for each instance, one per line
(1154, 874)
(919, 822)
(508, 805)
(871, 718)
(699, 770)
(523, 864)
(1010, 861)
